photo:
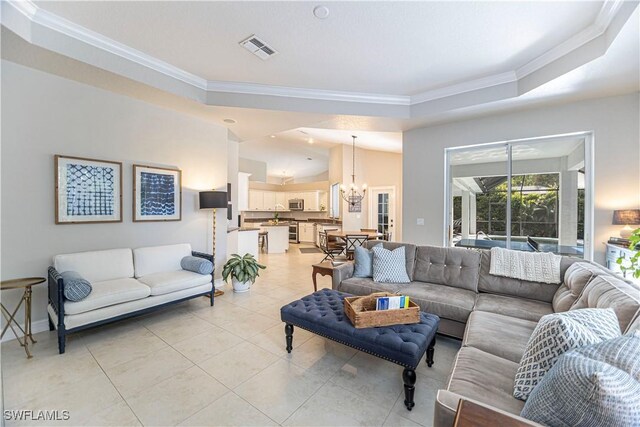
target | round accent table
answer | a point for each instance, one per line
(10, 316)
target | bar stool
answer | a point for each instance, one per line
(263, 240)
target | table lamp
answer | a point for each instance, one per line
(214, 200)
(626, 217)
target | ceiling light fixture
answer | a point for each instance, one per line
(230, 121)
(310, 140)
(321, 12)
(273, 136)
(353, 196)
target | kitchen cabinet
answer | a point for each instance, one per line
(243, 191)
(311, 202)
(269, 200)
(306, 232)
(256, 200)
(282, 202)
(324, 201)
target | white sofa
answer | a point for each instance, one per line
(125, 283)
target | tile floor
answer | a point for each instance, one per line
(196, 365)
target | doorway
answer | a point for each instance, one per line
(382, 210)
(531, 194)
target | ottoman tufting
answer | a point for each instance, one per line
(322, 313)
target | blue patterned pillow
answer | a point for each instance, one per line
(596, 385)
(76, 287)
(389, 266)
(196, 264)
(363, 261)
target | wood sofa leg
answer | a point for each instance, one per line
(430, 351)
(61, 343)
(288, 331)
(51, 325)
(409, 379)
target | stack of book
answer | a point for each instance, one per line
(392, 303)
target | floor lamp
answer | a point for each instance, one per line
(214, 200)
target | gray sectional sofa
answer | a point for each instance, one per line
(494, 316)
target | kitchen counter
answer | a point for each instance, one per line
(280, 224)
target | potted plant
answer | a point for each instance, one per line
(632, 264)
(243, 271)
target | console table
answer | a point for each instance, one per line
(10, 316)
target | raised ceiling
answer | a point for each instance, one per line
(397, 48)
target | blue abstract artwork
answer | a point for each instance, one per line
(90, 190)
(157, 194)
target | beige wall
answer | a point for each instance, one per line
(304, 186)
(614, 121)
(376, 169)
(44, 115)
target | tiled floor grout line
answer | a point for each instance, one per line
(114, 387)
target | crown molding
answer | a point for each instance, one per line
(56, 23)
(317, 94)
(31, 13)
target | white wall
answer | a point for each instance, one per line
(614, 121)
(44, 115)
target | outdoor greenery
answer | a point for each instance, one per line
(243, 269)
(534, 207)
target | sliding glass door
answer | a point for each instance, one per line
(531, 195)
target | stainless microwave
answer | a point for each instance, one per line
(296, 205)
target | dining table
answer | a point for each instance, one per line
(371, 235)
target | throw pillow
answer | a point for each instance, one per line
(389, 266)
(597, 385)
(76, 287)
(556, 334)
(363, 261)
(606, 291)
(197, 265)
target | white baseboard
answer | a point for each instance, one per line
(36, 326)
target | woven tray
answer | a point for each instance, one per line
(362, 312)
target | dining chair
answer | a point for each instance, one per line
(353, 241)
(368, 230)
(330, 251)
(387, 236)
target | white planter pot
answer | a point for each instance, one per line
(240, 286)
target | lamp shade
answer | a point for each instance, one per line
(213, 199)
(626, 217)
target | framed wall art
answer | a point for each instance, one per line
(157, 194)
(87, 190)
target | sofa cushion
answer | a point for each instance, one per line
(443, 301)
(409, 252)
(172, 281)
(489, 283)
(485, 377)
(607, 291)
(108, 292)
(556, 334)
(158, 259)
(577, 276)
(76, 287)
(597, 385)
(97, 266)
(454, 267)
(196, 265)
(366, 286)
(521, 308)
(496, 334)
(363, 261)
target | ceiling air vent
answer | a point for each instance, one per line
(258, 47)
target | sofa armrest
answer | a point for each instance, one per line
(56, 293)
(447, 405)
(208, 257)
(340, 273)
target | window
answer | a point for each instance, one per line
(530, 195)
(335, 201)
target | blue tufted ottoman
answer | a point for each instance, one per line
(322, 313)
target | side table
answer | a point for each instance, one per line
(325, 268)
(10, 316)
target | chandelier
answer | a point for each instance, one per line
(353, 196)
